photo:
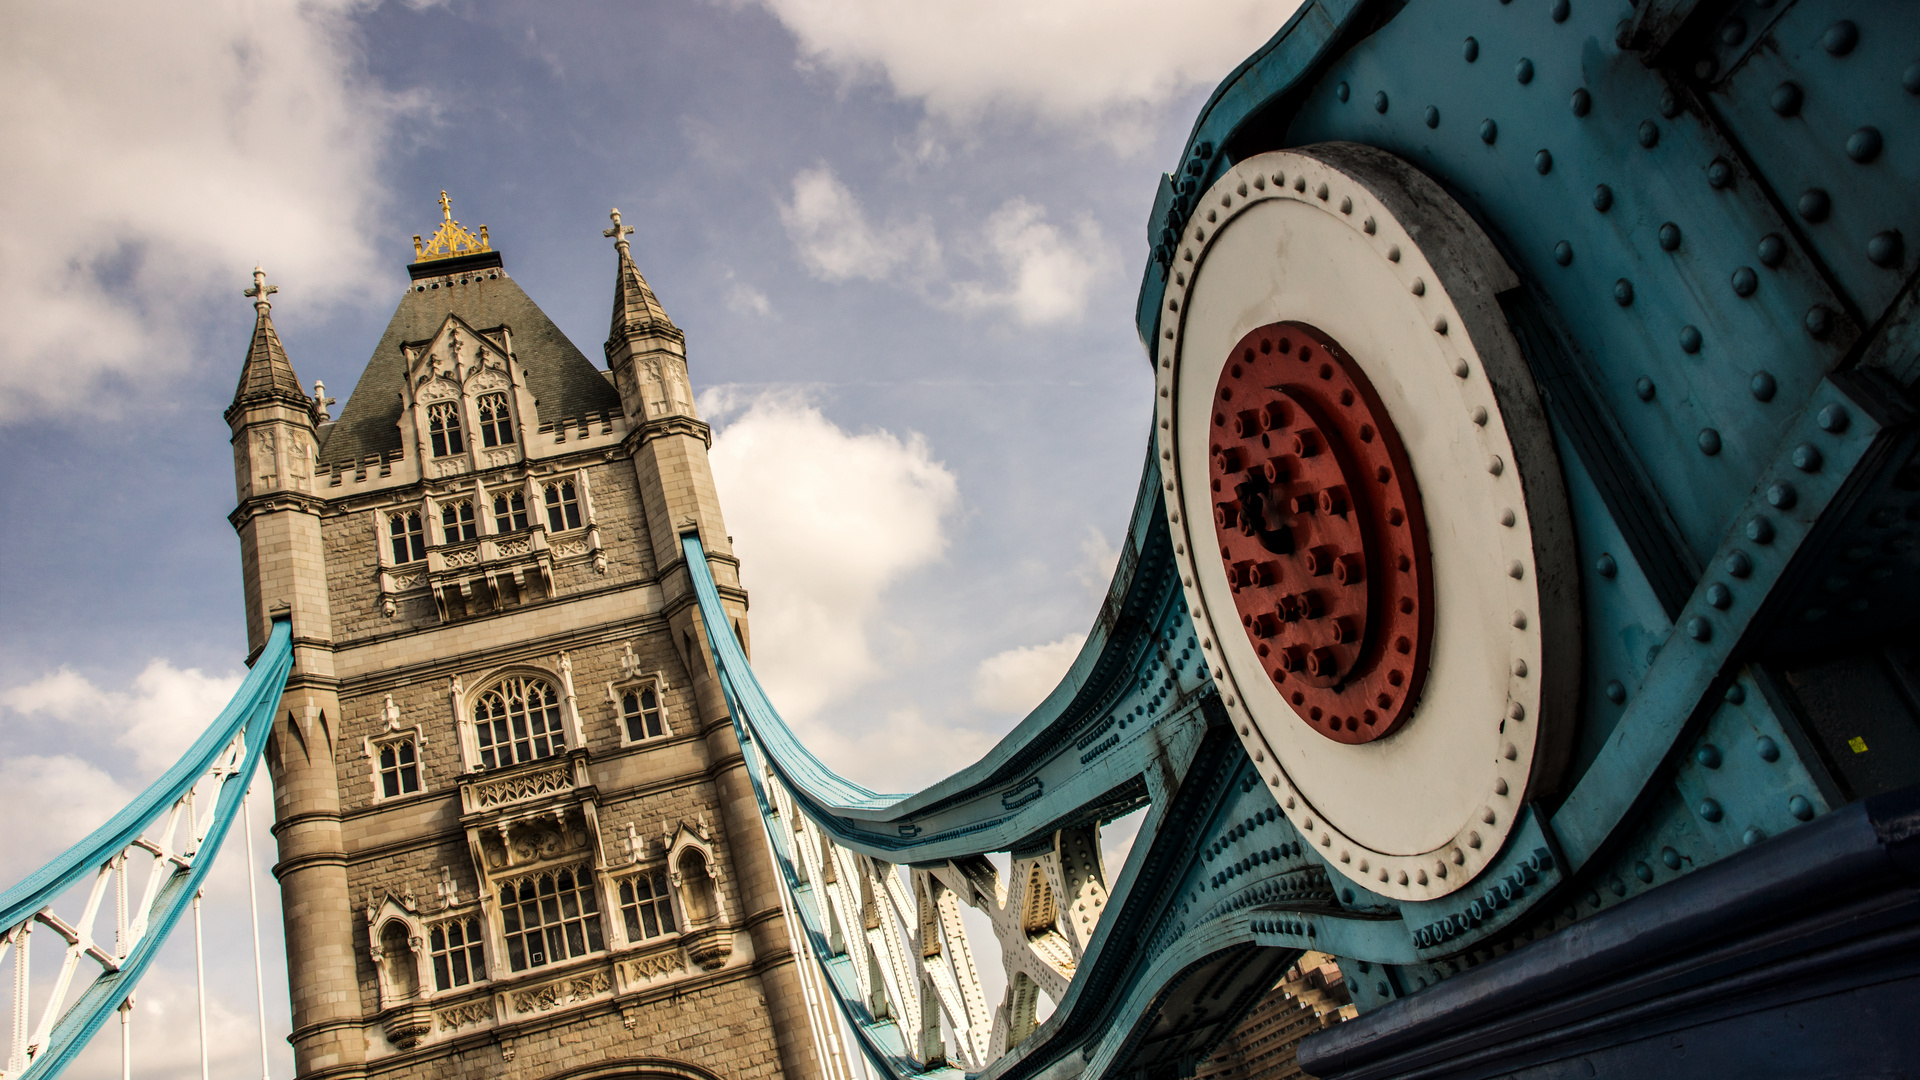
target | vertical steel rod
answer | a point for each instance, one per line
(200, 981)
(253, 905)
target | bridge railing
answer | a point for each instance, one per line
(151, 858)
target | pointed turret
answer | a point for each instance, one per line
(645, 351)
(267, 374)
(636, 311)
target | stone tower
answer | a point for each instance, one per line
(517, 837)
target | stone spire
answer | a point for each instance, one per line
(636, 311)
(267, 372)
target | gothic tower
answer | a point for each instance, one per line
(516, 832)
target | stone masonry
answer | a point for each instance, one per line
(516, 833)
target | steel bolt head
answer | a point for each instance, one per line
(1470, 50)
(1806, 457)
(1720, 173)
(1800, 808)
(1719, 596)
(1709, 441)
(1432, 117)
(1735, 693)
(1341, 91)
(1605, 566)
(1644, 388)
(1380, 102)
(1699, 629)
(1763, 386)
(1643, 872)
(1581, 103)
(1766, 748)
(1819, 320)
(1786, 99)
(1602, 197)
(1781, 496)
(1760, 531)
(1561, 9)
(1733, 31)
(1834, 418)
(1738, 564)
(1772, 250)
(1563, 253)
(1745, 281)
(1489, 131)
(1543, 162)
(1669, 103)
(1814, 205)
(1616, 692)
(1752, 836)
(1689, 339)
(1864, 145)
(1649, 134)
(1886, 249)
(1669, 237)
(1710, 810)
(1708, 756)
(1840, 38)
(1623, 292)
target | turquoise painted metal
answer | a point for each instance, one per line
(228, 752)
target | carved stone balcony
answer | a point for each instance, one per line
(487, 573)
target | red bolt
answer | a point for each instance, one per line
(1343, 632)
(1320, 560)
(1240, 575)
(1303, 504)
(1266, 625)
(1265, 574)
(1226, 515)
(1349, 569)
(1275, 470)
(1289, 609)
(1311, 606)
(1306, 443)
(1246, 424)
(1230, 461)
(1293, 658)
(1333, 500)
(1321, 664)
(1275, 416)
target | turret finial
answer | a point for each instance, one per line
(451, 240)
(261, 290)
(619, 233)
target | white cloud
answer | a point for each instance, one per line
(744, 299)
(1048, 275)
(1092, 66)
(1016, 680)
(166, 1036)
(904, 753)
(824, 521)
(165, 710)
(836, 242)
(1098, 561)
(153, 157)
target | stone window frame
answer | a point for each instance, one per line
(411, 538)
(392, 734)
(473, 925)
(634, 680)
(463, 702)
(583, 501)
(593, 887)
(658, 874)
(489, 427)
(470, 521)
(446, 427)
(389, 970)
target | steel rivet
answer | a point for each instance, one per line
(1643, 386)
(1623, 292)
(1643, 872)
(1834, 418)
(1760, 531)
(1745, 281)
(1460, 368)
(1670, 857)
(1440, 324)
(1806, 457)
(1752, 836)
(1669, 236)
(1563, 253)
(1699, 629)
(1800, 808)
(1738, 564)
(1499, 788)
(1543, 162)
(1719, 596)
(1840, 38)
(1649, 134)
(1864, 145)
(1669, 103)
(1495, 465)
(1885, 249)
(1341, 91)
(1616, 692)
(1419, 287)
(1705, 68)
(1767, 748)
(1819, 320)
(1763, 386)
(1516, 572)
(1814, 205)
(1478, 415)
(1519, 620)
(1733, 31)
(1719, 173)
(1689, 339)
(1602, 198)
(1489, 131)
(1581, 103)
(1432, 117)
(1470, 50)
(1710, 810)
(1507, 518)
(1781, 496)
(1606, 566)
(1520, 669)
(1561, 9)
(1380, 102)
(1786, 99)
(1523, 71)
(1367, 226)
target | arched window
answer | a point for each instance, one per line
(640, 708)
(409, 539)
(550, 917)
(496, 424)
(456, 522)
(397, 960)
(457, 958)
(645, 906)
(516, 721)
(696, 887)
(443, 427)
(563, 507)
(510, 512)
(399, 769)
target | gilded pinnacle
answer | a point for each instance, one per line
(452, 240)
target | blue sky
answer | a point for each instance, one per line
(903, 241)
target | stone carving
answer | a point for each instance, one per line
(473, 1012)
(564, 992)
(463, 557)
(656, 966)
(517, 546)
(403, 582)
(497, 458)
(570, 549)
(512, 789)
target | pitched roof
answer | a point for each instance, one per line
(266, 372)
(635, 308)
(564, 383)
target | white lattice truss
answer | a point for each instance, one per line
(166, 849)
(909, 955)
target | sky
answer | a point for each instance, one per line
(903, 240)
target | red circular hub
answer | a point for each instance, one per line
(1321, 531)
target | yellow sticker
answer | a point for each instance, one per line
(1857, 744)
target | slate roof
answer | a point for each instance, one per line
(565, 384)
(635, 308)
(266, 372)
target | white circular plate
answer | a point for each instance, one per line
(1325, 235)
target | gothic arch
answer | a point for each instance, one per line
(637, 1068)
(486, 694)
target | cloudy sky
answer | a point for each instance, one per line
(903, 240)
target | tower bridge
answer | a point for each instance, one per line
(1516, 608)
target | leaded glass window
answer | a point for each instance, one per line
(516, 721)
(550, 917)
